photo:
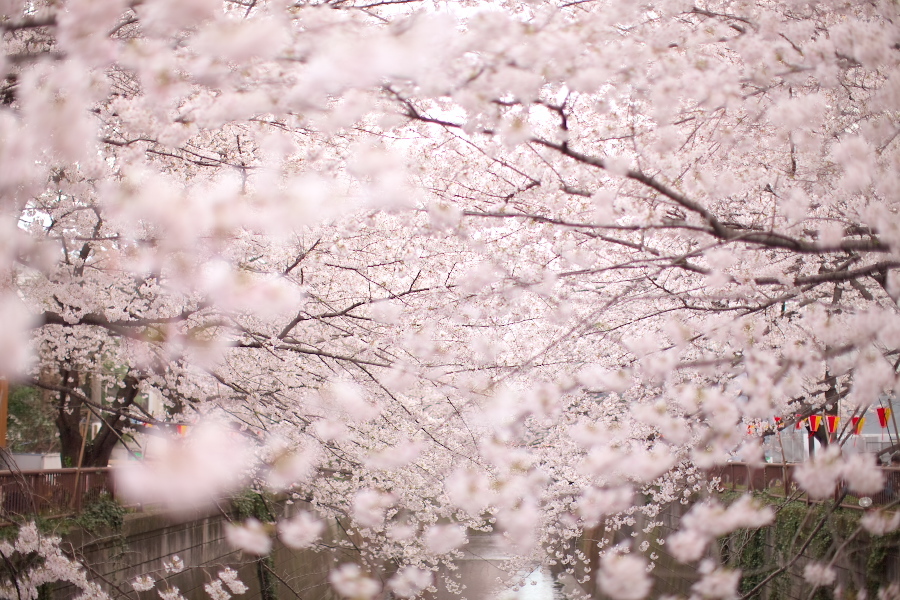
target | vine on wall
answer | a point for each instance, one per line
(863, 561)
(255, 505)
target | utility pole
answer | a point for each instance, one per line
(96, 395)
(4, 410)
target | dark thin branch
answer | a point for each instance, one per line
(29, 23)
(833, 276)
(52, 318)
(300, 258)
(75, 393)
(717, 228)
(310, 352)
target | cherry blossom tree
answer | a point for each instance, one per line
(497, 266)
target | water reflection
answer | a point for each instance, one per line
(481, 572)
(537, 586)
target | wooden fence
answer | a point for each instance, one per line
(64, 491)
(778, 479)
(52, 492)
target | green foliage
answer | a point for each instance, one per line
(252, 504)
(105, 517)
(758, 553)
(265, 571)
(257, 505)
(747, 552)
(102, 514)
(882, 547)
(32, 421)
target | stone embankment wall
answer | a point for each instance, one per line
(865, 563)
(146, 541)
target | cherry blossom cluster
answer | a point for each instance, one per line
(522, 268)
(33, 560)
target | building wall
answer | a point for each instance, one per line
(26, 461)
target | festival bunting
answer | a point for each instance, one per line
(814, 422)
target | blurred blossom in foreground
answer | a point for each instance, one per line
(301, 531)
(878, 522)
(709, 520)
(15, 352)
(348, 581)
(291, 467)
(187, 474)
(441, 539)
(820, 475)
(410, 581)
(624, 577)
(369, 507)
(717, 583)
(819, 574)
(251, 537)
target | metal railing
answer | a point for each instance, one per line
(778, 480)
(52, 492)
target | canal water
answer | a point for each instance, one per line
(538, 585)
(482, 572)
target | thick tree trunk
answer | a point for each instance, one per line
(71, 411)
(68, 419)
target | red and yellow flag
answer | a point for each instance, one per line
(814, 422)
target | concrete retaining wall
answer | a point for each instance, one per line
(853, 569)
(147, 540)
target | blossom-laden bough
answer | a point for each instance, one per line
(523, 267)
